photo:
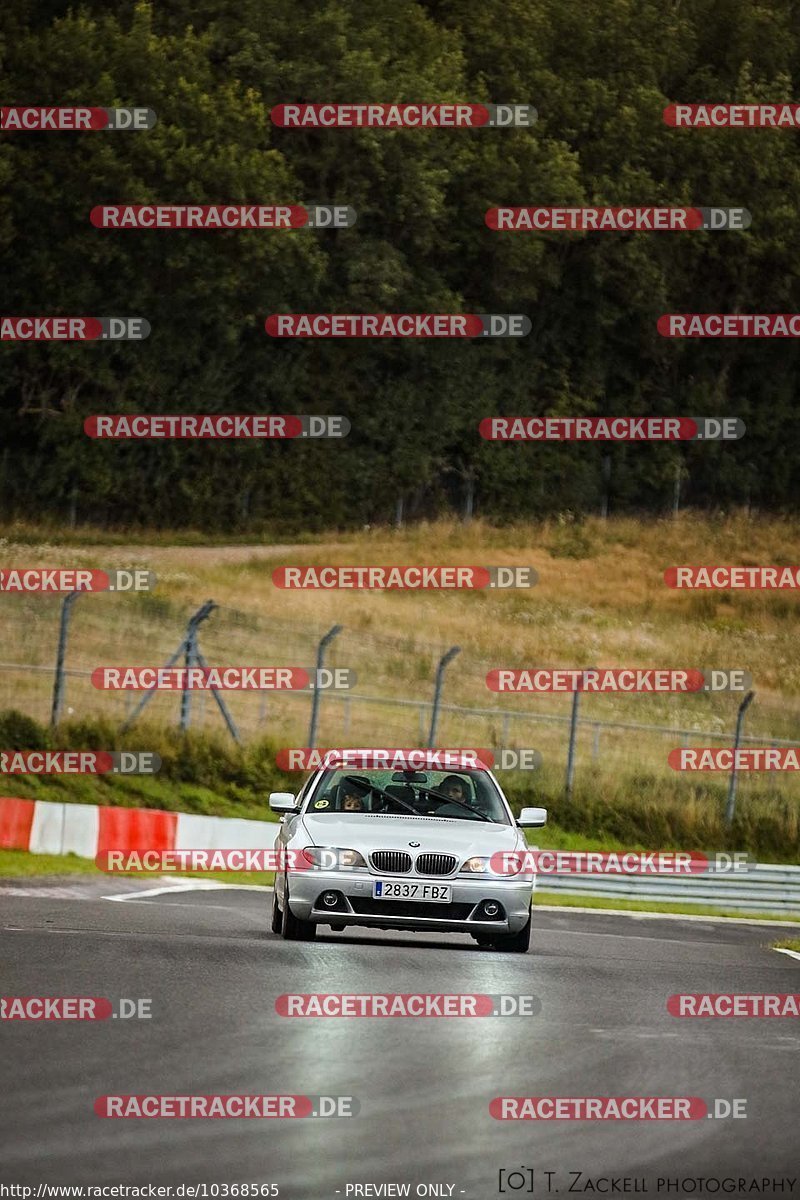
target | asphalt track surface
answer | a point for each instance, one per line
(213, 970)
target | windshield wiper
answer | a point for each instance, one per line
(373, 787)
(460, 803)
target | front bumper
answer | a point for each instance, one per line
(357, 907)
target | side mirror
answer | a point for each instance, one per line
(532, 818)
(282, 802)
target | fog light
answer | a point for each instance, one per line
(491, 908)
(330, 899)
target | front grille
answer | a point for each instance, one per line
(410, 908)
(396, 862)
(436, 864)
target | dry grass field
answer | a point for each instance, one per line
(600, 601)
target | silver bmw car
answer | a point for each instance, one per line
(407, 849)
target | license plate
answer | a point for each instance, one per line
(436, 893)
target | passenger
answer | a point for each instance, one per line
(353, 802)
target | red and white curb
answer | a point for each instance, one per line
(86, 830)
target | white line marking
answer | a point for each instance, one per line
(791, 953)
(191, 885)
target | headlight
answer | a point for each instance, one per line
(500, 865)
(475, 866)
(334, 858)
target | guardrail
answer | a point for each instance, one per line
(765, 888)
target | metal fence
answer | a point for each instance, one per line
(392, 704)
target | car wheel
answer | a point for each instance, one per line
(516, 943)
(338, 928)
(277, 917)
(292, 928)
(483, 939)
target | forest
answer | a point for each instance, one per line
(599, 76)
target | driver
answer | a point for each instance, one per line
(453, 787)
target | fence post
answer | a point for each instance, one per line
(437, 693)
(573, 734)
(58, 684)
(730, 808)
(190, 653)
(606, 471)
(321, 648)
(221, 705)
(676, 490)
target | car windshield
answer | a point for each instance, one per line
(463, 795)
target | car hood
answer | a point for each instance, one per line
(436, 835)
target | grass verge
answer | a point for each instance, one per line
(19, 864)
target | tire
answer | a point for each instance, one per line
(277, 917)
(292, 928)
(516, 943)
(338, 928)
(483, 939)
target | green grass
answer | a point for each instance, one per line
(19, 864)
(787, 944)
(207, 774)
